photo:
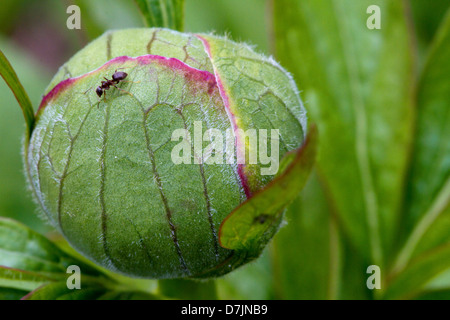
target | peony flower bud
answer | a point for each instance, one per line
(147, 139)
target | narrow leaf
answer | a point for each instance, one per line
(427, 215)
(306, 251)
(22, 248)
(428, 16)
(10, 77)
(410, 283)
(11, 294)
(20, 279)
(312, 259)
(15, 201)
(357, 83)
(88, 291)
(60, 291)
(162, 13)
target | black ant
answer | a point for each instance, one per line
(117, 77)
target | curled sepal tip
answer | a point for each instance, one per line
(253, 219)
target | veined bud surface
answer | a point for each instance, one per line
(139, 174)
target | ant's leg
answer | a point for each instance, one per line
(122, 90)
(122, 68)
(130, 81)
(100, 99)
(87, 90)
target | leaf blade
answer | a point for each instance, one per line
(307, 243)
(428, 193)
(11, 79)
(162, 13)
(341, 67)
(24, 249)
(60, 291)
(20, 279)
(412, 281)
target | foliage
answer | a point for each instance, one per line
(384, 153)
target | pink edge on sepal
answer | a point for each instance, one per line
(31, 293)
(231, 116)
(54, 92)
(190, 73)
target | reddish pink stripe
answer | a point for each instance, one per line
(190, 73)
(231, 116)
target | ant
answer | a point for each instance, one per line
(117, 77)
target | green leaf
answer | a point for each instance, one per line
(59, 291)
(352, 277)
(435, 295)
(428, 16)
(162, 13)
(357, 84)
(25, 249)
(44, 271)
(10, 77)
(306, 251)
(22, 280)
(420, 272)
(427, 211)
(15, 202)
(29, 260)
(243, 228)
(11, 294)
(311, 258)
(88, 291)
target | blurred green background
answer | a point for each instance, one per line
(317, 260)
